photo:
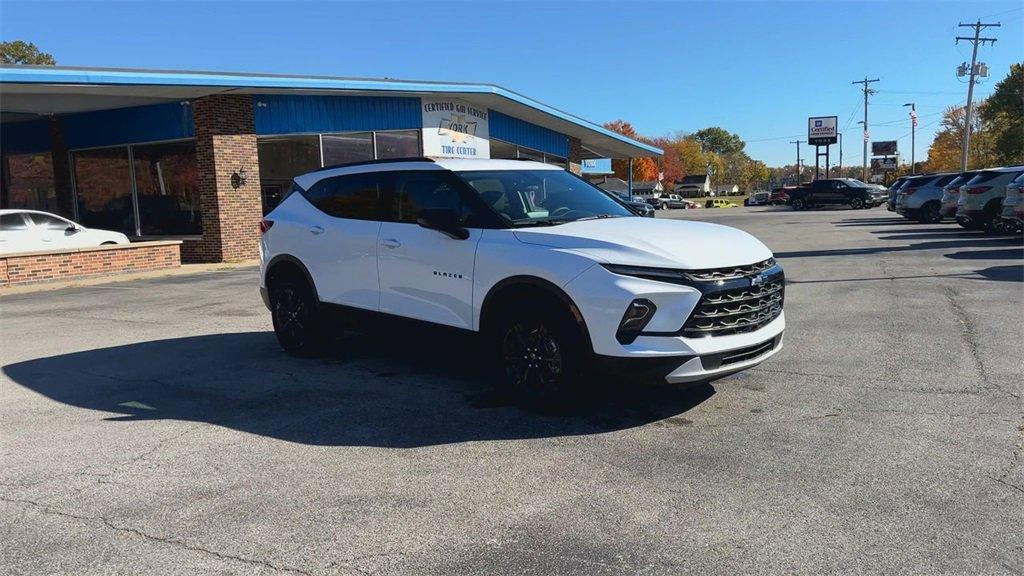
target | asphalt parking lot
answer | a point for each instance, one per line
(155, 427)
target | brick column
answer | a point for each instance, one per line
(61, 169)
(575, 156)
(225, 144)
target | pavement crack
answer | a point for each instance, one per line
(969, 336)
(177, 543)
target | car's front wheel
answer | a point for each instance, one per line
(929, 213)
(540, 352)
(857, 203)
(297, 321)
(798, 204)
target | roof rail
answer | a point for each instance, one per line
(378, 161)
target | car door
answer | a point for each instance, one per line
(57, 233)
(426, 274)
(17, 234)
(341, 252)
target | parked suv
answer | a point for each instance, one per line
(551, 271)
(894, 189)
(980, 205)
(921, 196)
(1013, 206)
(827, 191)
(951, 194)
(671, 201)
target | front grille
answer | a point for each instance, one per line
(731, 271)
(736, 311)
(716, 361)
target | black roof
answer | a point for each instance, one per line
(694, 179)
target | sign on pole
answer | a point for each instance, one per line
(886, 164)
(883, 148)
(822, 130)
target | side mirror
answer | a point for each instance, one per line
(71, 229)
(444, 220)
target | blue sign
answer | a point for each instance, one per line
(597, 166)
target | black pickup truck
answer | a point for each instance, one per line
(832, 191)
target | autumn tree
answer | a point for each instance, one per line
(1003, 118)
(719, 141)
(644, 169)
(21, 52)
(944, 152)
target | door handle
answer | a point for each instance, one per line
(316, 229)
(391, 243)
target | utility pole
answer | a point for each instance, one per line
(798, 143)
(867, 92)
(913, 128)
(977, 40)
(840, 134)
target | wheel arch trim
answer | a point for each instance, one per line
(289, 259)
(538, 283)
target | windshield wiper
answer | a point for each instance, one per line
(598, 217)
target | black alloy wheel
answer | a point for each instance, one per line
(296, 320)
(857, 203)
(798, 204)
(930, 213)
(540, 354)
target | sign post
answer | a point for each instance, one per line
(822, 131)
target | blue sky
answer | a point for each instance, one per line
(755, 68)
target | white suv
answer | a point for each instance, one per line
(552, 271)
(980, 204)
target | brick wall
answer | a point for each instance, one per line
(225, 144)
(31, 267)
(575, 156)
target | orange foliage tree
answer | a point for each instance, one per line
(644, 169)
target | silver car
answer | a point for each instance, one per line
(920, 198)
(951, 193)
(1013, 206)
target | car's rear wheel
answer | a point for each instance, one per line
(297, 320)
(540, 352)
(992, 223)
(929, 213)
(857, 203)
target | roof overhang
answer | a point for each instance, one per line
(27, 91)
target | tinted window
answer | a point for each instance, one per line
(49, 222)
(416, 191)
(985, 176)
(945, 180)
(921, 181)
(12, 222)
(357, 196)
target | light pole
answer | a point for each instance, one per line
(913, 128)
(840, 134)
(864, 176)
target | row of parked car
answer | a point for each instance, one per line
(988, 199)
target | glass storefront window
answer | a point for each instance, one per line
(503, 150)
(282, 159)
(28, 179)
(527, 154)
(399, 144)
(345, 148)
(167, 188)
(556, 160)
(103, 189)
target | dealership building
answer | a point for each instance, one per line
(201, 156)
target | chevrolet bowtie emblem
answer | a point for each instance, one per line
(757, 280)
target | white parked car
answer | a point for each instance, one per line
(980, 205)
(552, 271)
(32, 231)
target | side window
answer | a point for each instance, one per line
(10, 222)
(358, 196)
(416, 191)
(49, 222)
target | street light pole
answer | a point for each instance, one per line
(913, 128)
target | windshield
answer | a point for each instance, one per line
(854, 183)
(542, 197)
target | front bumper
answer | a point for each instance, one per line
(699, 368)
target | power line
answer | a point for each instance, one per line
(867, 92)
(976, 41)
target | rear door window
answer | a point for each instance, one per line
(49, 222)
(355, 196)
(415, 191)
(944, 180)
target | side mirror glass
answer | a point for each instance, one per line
(444, 220)
(71, 229)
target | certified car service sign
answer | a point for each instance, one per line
(454, 129)
(821, 130)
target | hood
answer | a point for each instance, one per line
(656, 243)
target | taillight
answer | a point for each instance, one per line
(265, 225)
(908, 191)
(979, 189)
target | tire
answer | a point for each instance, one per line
(993, 223)
(798, 204)
(298, 323)
(929, 213)
(540, 352)
(857, 203)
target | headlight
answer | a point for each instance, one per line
(659, 274)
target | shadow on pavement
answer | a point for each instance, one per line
(400, 392)
(999, 254)
(974, 242)
(1003, 273)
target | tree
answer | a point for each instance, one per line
(944, 152)
(21, 52)
(1003, 118)
(719, 141)
(644, 169)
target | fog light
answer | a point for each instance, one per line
(638, 314)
